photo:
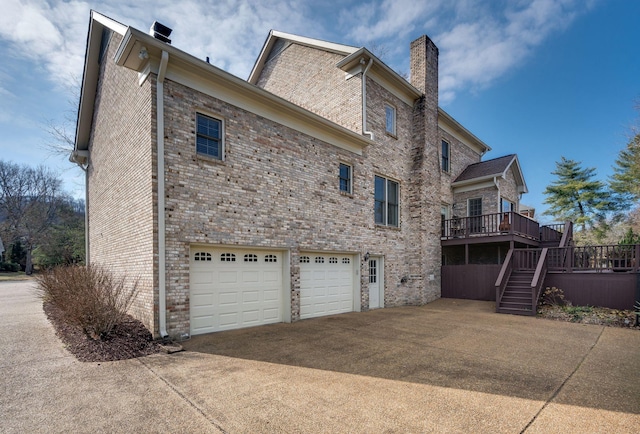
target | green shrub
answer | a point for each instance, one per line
(90, 297)
(9, 267)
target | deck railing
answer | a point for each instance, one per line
(594, 258)
(491, 224)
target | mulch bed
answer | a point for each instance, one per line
(127, 340)
(589, 315)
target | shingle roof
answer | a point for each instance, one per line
(495, 167)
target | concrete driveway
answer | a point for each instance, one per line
(450, 366)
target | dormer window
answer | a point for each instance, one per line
(390, 119)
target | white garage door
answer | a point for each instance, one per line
(326, 284)
(233, 288)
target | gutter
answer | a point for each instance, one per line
(162, 268)
(81, 158)
(364, 97)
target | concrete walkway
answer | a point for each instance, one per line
(450, 366)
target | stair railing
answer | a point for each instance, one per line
(503, 277)
(538, 279)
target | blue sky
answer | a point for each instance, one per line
(540, 78)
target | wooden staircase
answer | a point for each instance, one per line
(517, 298)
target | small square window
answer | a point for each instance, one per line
(446, 167)
(390, 119)
(345, 178)
(209, 136)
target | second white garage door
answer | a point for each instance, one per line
(326, 284)
(233, 288)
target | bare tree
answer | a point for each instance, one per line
(29, 199)
(62, 132)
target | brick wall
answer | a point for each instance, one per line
(460, 156)
(309, 78)
(508, 187)
(278, 188)
(120, 187)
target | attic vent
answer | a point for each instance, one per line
(160, 32)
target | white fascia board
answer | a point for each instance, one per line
(97, 23)
(108, 22)
(523, 187)
(316, 43)
(447, 123)
(192, 72)
(461, 188)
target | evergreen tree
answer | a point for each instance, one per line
(575, 195)
(625, 181)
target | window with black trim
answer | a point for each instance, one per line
(446, 165)
(202, 256)
(390, 119)
(345, 178)
(250, 258)
(228, 257)
(387, 201)
(209, 136)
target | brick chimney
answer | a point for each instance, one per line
(424, 68)
(424, 190)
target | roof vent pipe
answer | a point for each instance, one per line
(160, 32)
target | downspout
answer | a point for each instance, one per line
(364, 97)
(81, 158)
(495, 181)
(162, 290)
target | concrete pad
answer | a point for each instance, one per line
(450, 366)
(44, 389)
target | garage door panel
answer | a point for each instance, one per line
(234, 288)
(250, 296)
(326, 284)
(228, 277)
(202, 277)
(250, 276)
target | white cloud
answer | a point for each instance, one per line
(478, 41)
(474, 53)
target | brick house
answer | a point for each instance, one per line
(323, 184)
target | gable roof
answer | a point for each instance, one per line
(497, 167)
(350, 64)
(200, 75)
(275, 35)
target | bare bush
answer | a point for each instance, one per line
(90, 297)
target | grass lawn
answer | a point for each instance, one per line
(13, 276)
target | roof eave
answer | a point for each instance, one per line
(353, 60)
(455, 125)
(97, 22)
(134, 40)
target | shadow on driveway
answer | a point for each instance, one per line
(457, 344)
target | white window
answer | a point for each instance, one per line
(345, 178)
(387, 201)
(390, 119)
(209, 136)
(508, 206)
